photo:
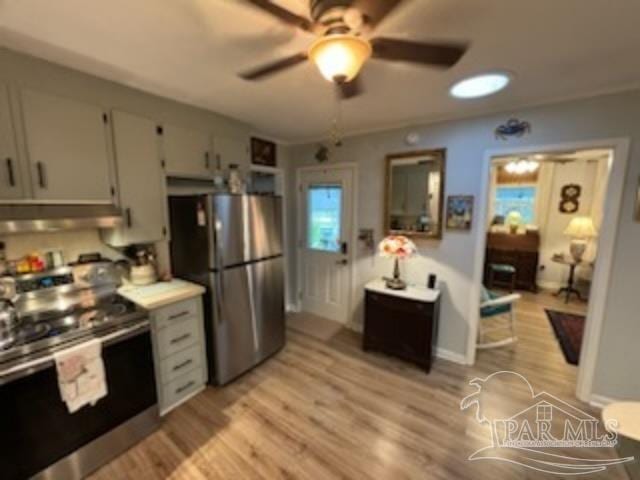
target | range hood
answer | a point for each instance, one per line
(30, 217)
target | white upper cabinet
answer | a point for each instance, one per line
(230, 150)
(141, 181)
(67, 148)
(10, 177)
(187, 152)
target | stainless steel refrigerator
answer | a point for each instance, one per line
(232, 245)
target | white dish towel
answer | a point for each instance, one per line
(81, 375)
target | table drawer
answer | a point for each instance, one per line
(180, 363)
(178, 311)
(399, 305)
(181, 387)
(178, 336)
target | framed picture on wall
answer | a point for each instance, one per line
(459, 212)
(263, 152)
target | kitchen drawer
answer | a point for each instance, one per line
(175, 312)
(180, 363)
(178, 336)
(182, 387)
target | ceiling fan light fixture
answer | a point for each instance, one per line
(340, 57)
(481, 85)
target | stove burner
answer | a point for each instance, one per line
(32, 332)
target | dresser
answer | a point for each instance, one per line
(177, 334)
(519, 251)
(401, 323)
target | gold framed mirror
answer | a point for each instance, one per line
(414, 193)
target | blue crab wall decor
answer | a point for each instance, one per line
(513, 128)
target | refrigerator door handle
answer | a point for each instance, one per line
(216, 282)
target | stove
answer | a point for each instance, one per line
(66, 306)
(56, 310)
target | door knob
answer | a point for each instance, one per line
(344, 261)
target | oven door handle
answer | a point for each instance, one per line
(33, 366)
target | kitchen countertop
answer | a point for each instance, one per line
(160, 294)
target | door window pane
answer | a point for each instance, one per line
(324, 214)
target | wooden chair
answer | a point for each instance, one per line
(493, 306)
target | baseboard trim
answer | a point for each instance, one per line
(601, 401)
(293, 308)
(451, 356)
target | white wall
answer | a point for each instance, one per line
(452, 259)
(553, 275)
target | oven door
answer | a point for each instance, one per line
(36, 429)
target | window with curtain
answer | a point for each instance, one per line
(521, 199)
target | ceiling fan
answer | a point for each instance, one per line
(342, 48)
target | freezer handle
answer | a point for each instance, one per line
(217, 294)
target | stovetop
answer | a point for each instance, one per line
(46, 331)
(65, 307)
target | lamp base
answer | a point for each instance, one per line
(577, 249)
(395, 284)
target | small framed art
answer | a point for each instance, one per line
(459, 212)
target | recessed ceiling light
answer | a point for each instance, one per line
(480, 85)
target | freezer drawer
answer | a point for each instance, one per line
(248, 316)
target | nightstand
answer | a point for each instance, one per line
(401, 323)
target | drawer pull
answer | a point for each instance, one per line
(10, 174)
(186, 386)
(42, 181)
(178, 315)
(181, 338)
(180, 366)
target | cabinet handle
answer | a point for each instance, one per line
(12, 179)
(180, 366)
(179, 339)
(42, 181)
(178, 315)
(185, 386)
(127, 213)
(206, 160)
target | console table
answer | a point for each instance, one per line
(401, 323)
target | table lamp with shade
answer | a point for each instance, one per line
(581, 230)
(397, 247)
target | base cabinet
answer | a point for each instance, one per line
(179, 352)
(402, 327)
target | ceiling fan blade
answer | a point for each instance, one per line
(283, 14)
(350, 89)
(439, 54)
(262, 71)
(375, 11)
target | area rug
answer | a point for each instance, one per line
(569, 329)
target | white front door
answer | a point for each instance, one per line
(326, 201)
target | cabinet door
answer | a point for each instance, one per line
(186, 152)
(67, 148)
(140, 181)
(230, 150)
(10, 178)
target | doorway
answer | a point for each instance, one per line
(602, 244)
(325, 236)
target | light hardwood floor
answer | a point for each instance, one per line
(323, 409)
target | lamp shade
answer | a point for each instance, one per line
(581, 227)
(340, 57)
(396, 246)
